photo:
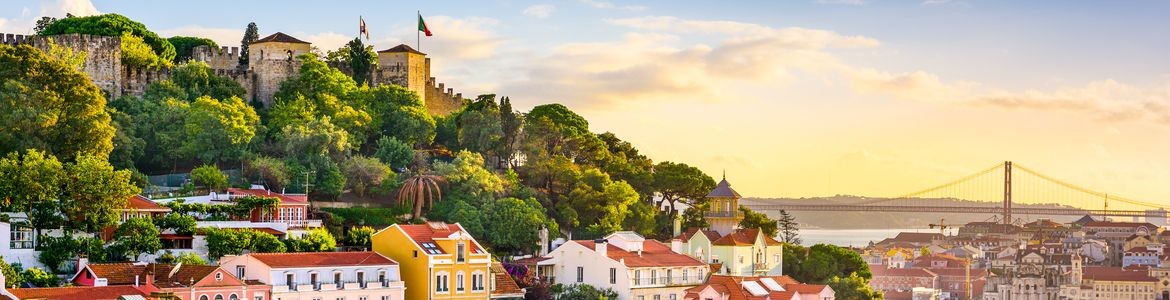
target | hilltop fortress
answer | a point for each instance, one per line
(271, 60)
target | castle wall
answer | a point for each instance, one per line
(441, 100)
(267, 76)
(223, 58)
(135, 80)
(103, 56)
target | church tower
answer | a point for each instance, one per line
(723, 214)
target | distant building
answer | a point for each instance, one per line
(723, 213)
(187, 282)
(763, 287)
(636, 268)
(323, 275)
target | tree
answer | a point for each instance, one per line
(26, 182)
(553, 176)
(317, 138)
(197, 79)
(210, 177)
(394, 152)
(12, 276)
(75, 59)
(789, 229)
(222, 242)
(420, 191)
(468, 179)
(582, 292)
(693, 216)
(181, 223)
(112, 25)
(398, 112)
(679, 181)
(510, 124)
(643, 219)
(55, 251)
(251, 35)
(566, 121)
(45, 104)
(268, 171)
(95, 193)
(39, 278)
(513, 224)
(317, 240)
(852, 287)
(184, 46)
(190, 258)
(137, 236)
(359, 57)
(363, 173)
(219, 131)
(136, 53)
(820, 263)
(753, 219)
(596, 204)
(359, 236)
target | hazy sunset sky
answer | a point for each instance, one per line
(791, 98)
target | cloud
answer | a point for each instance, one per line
(846, 2)
(324, 41)
(25, 23)
(539, 11)
(455, 39)
(739, 31)
(223, 36)
(609, 5)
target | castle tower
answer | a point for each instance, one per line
(272, 60)
(406, 67)
(724, 214)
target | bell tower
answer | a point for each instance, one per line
(723, 214)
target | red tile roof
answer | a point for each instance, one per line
(127, 273)
(285, 199)
(77, 292)
(654, 254)
(900, 272)
(1117, 274)
(731, 287)
(426, 233)
(742, 237)
(1120, 224)
(504, 284)
(685, 236)
(322, 259)
(139, 203)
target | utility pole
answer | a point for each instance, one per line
(307, 184)
(1007, 193)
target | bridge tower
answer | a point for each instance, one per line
(724, 214)
(1007, 193)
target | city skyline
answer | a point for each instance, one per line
(797, 99)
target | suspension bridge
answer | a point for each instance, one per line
(996, 190)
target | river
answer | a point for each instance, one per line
(853, 237)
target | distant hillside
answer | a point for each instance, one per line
(884, 220)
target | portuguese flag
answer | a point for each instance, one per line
(422, 26)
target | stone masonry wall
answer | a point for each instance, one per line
(224, 58)
(103, 56)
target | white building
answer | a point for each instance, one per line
(636, 268)
(325, 275)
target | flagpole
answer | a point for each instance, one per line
(417, 34)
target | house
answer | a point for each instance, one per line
(292, 210)
(1137, 241)
(902, 279)
(636, 268)
(748, 252)
(762, 288)
(1141, 256)
(503, 286)
(1118, 283)
(187, 282)
(325, 275)
(438, 260)
(122, 292)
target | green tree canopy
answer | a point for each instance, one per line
(359, 57)
(393, 152)
(251, 35)
(219, 131)
(197, 79)
(46, 104)
(365, 173)
(271, 172)
(209, 176)
(112, 25)
(468, 179)
(317, 240)
(597, 203)
(753, 219)
(185, 44)
(359, 236)
(29, 180)
(95, 193)
(513, 224)
(680, 182)
(222, 242)
(137, 236)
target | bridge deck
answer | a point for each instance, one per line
(952, 209)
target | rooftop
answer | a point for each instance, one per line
(280, 37)
(139, 203)
(322, 259)
(685, 236)
(741, 237)
(723, 190)
(285, 199)
(1117, 274)
(113, 292)
(424, 236)
(654, 254)
(402, 48)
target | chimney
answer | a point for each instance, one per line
(601, 246)
(676, 245)
(82, 261)
(149, 279)
(677, 225)
(135, 280)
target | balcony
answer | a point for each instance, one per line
(723, 214)
(760, 267)
(667, 281)
(302, 223)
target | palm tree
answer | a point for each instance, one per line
(421, 190)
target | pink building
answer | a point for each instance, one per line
(187, 282)
(325, 275)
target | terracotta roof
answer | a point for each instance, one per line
(918, 237)
(900, 272)
(322, 259)
(280, 37)
(1117, 274)
(1135, 236)
(806, 288)
(723, 190)
(975, 273)
(126, 273)
(1120, 224)
(1085, 219)
(1043, 223)
(741, 237)
(426, 233)
(654, 254)
(139, 203)
(402, 48)
(285, 199)
(732, 288)
(77, 292)
(505, 286)
(685, 236)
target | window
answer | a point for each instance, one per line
(641, 297)
(289, 280)
(441, 283)
(459, 249)
(657, 297)
(637, 277)
(204, 297)
(580, 274)
(653, 276)
(337, 280)
(362, 298)
(685, 274)
(385, 297)
(741, 259)
(776, 258)
(313, 281)
(415, 253)
(431, 248)
(218, 297)
(382, 277)
(477, 282)
(218, 276)
(673, 297)
(459, 282)
(233, 297)
(612, 275)
(22, 237)
(361, 278)
(258, 297)
(240, 271)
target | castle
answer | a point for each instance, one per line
(271, 60)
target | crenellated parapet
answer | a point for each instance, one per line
(221, 58)
(440, 99)
(13, 39)
(135, 79)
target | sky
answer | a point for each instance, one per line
(789, 98)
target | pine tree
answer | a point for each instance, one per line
(251, 34)
(510, 122)
(789, 229)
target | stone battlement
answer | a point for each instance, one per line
(222, 58)
(13, 39)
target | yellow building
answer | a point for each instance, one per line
(437, 260)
